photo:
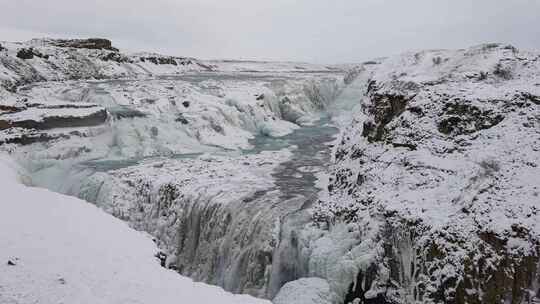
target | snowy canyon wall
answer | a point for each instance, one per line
(434, 193)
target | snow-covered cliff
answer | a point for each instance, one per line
(434, 191)
(56, 60)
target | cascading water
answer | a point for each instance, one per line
(245, 241)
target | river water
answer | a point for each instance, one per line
(248, 266)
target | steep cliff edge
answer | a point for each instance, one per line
(435, 183)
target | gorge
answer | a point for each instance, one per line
(409, 179)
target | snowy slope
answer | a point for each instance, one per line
(46, 60)
(65, 250)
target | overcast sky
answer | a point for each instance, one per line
(323, 31)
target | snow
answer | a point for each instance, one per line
(68, 251)
(452, 163)
(305, 291)
(223, 111)
(271, 66)
(411, 185)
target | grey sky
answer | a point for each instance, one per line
(305, 30)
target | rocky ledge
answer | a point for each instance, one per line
(90, 43)
(25, 122)
(47, 117)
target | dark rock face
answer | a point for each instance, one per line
(530, 97)
(90, 43)
(25, 54)
(125, 112)
(166, 60)
(162, 257)
(29, 53)
(52, 122)
(385, 107)
(154, 131)
(182, 119)
(462, 118)
(364, 281)
(33, 136)
(93, 118)
(116, 57)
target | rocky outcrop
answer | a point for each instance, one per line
(26, 123)
(90, 43)
(436, 179)
(166, 60)
(29, 53)
(116, 57)
(27, 137)
(25, 54)
(42, 118)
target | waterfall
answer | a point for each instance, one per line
(241, 237)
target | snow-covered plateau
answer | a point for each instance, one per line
(409, 179)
